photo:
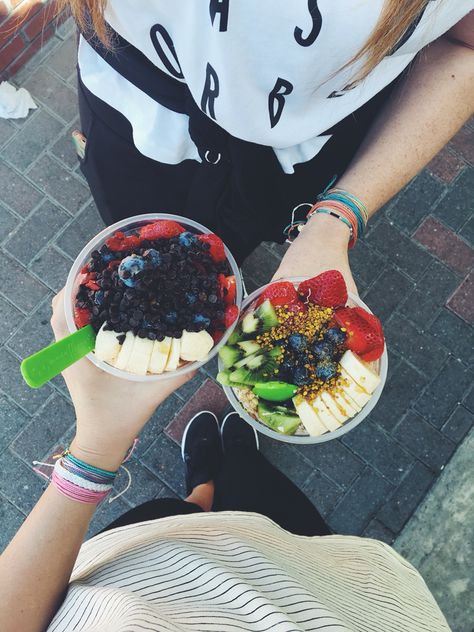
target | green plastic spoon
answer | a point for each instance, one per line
(45, 364)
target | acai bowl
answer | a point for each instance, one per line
(306, 362)
(162, 292)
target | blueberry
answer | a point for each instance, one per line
(301, 376)
(129, 268)
(99, 297)
(191, 297)
(302, 359)
(187, 239)
(335, 336)
(297, 342)
(322, 350)
(154, 257)
(326, 370)
(200, 319)
(106, 254)
(171, 317)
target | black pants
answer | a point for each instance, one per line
(245, 198)
(245, 483)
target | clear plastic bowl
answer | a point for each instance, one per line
(380, 366)
(74, 278)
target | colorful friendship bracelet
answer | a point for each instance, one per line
(345, 207)
(338, 203)
(80, 481)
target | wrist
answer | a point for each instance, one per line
(328, 230)
(109, 459)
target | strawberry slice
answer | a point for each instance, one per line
(298, 308)
(364, 332)
(227, 288)
(220, 285)
(161, 229)
(230, 315)
(82, 317)
(327, 289)
(121, 241)
(279, 293)
(92, 285)
(217, 335)
(216, 244)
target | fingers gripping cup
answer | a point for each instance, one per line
(307, 362)
(162, 292)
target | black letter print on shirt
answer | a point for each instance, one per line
(317, 23)
(171, 65)
(210, 92)
(222, 7)
(276, 99)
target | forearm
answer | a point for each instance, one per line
(36, 566)
(424, 112)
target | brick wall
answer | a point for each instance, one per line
(24, 26)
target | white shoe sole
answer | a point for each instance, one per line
(183, 440)
(235, 413)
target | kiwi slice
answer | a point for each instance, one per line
(249, 346)
(259, 367)
(235, 336)
(266, 314)
(278, 418)
(259, 321)
(223, 377)
(229, 355)
(253, 361)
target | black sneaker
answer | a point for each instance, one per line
(237, 433)
(201, 449)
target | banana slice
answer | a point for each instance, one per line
(354, 391)
(332, 407)
(159, 355)
(195, 345)
(173, 358)
(107, 346)
(347, 407)
(140, 357)
(360, 371)
(309, 418)
(125, 351)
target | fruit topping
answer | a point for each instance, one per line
(227, 288)
(279, 418)
(322, 350)
(326, 370)
(335, 336)
(280, 293)
(82, 316)
(327, 289)
(216, 246)
(297, 342)
(230, 315)
(129, 269)
(195, 345)
(364, 332)
(120, 241)
(161, 229)
(275, 391)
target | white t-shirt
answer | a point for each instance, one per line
(268, 72)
